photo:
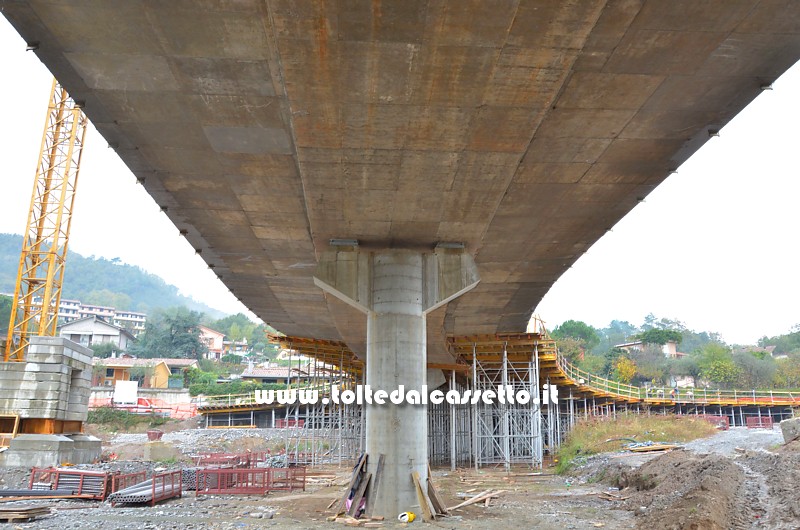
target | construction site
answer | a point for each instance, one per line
(393, 186)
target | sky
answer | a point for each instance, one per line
(716, 246)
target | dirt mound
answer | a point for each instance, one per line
(683, 491)
(779, 475)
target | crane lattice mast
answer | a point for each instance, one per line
(44, 248)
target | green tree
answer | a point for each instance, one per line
(173, 332)
(660, 336)
(787, 372)
(577, 330)
(784, 344)
(754, 372)
(651, 365)
(5, 312)
(617, 332)
(104, 349)
(717, 366)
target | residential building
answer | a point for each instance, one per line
(151, 373)
(70, 310)
(94, 330)
(670, 349)
(104, 312)
(275, 374)
(214, 342)
(158, 372)
(237, 347)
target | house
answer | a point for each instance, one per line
(275, 374)
(670, 349)
(94, 330)
(236, 347)
(214, 342)
(151, 373)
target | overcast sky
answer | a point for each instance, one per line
(715, 246)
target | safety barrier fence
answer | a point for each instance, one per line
(166, 485)
(85, 484)
(721, 422)
(248, 459)
(251, 481)
(123, 481)
(759, 422)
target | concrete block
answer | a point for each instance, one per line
(790, 429)
(39, 450)
(47, 367)
(85, 448)
(154, 451)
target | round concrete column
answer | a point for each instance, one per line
(396, 356)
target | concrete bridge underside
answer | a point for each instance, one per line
(524, 129)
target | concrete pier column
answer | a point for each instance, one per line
(396, 289)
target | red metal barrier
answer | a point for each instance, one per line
(83, 484)
(763, 422)
(222, 459)
(253, 481)
(166, 485)
(120, 482)
(721, 422)
(289, 478)
(248, 459)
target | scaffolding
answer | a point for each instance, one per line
(501, 433)
(326, 432)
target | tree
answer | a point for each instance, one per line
(717, 366)
(787, 373)
(172, 332)
(104, 349)
(660, 336)
(784, 344)
(754, 372)
(577, 330)
(651, 365)
(617, 332)
(624, 370)
(571, 348)
(5, 311)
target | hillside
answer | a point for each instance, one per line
(103, 282)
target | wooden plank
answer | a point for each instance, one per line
(359, 495)
(424, 501)
(437, 503)
(356, 473)
(477, 498)
(375, 484)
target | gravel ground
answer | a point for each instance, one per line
(193, 441)
(759, 486)
(726, 442)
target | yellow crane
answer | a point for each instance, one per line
(37, 295)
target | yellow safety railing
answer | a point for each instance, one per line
(580, 377)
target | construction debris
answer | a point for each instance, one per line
(646, 447)
(482, 496)
(21, 514)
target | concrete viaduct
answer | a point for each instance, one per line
(460, 156)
